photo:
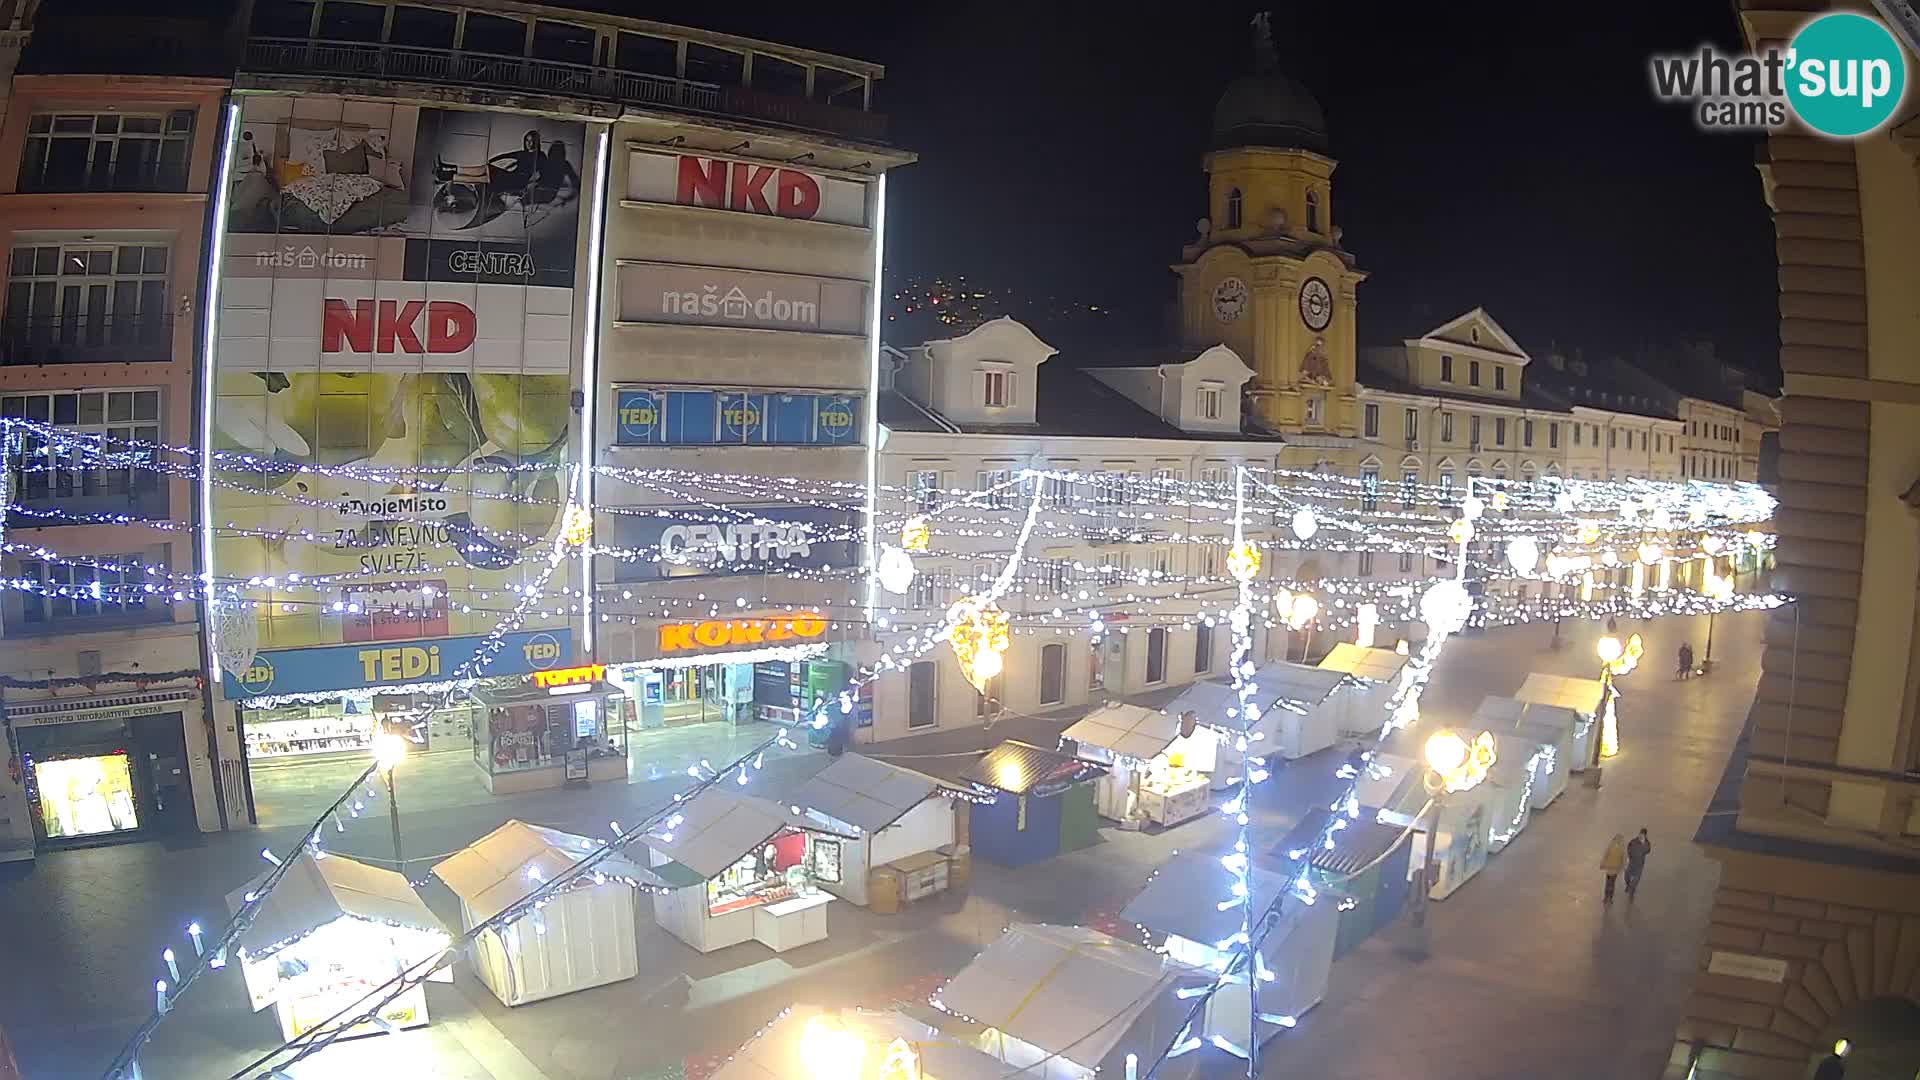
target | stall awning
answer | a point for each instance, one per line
(1132, 730)
(1581, 695)
(1379, 665)
(1019, 768)
(1391, 782)
(1184, 898)
(1511, 716)
(1357, 846)
(316, 891)
(1067, 990)
(863, 792)
(498, 870)
(717, 827)
(1297, 685)
(781, 1051)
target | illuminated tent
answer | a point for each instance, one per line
(1042, 805)
(895, 813)
(856, 1044)
(1543, 733)
(1583, 696)
(1298, 713)
(1131, 740)
(1377, 672)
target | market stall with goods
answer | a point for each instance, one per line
(1159, 763)
(906, 826)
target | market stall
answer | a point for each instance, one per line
(1392, 790)
(1066, 1002)
(1364, 875)
(807, 1042)
(1298, 714)
(1509, 800)
(1042, 806)
(1159, 763)
(896, 814)
(1377, 674)
(1182, 902)
(1543, 734)
(582, 937)
(329, 934)
(551, 728)
(739, 868)
(1584, 697)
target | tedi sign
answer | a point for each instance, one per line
(390, 326)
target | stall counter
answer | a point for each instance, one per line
(1176, 801)
(790, 924)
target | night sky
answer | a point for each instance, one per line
(1488, 155)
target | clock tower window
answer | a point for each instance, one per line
(1313, 211)
(1234, 206)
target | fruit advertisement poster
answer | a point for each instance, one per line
(397, 345)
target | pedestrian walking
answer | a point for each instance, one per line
(1685, 667)
(1637, 849)
(1613, 862)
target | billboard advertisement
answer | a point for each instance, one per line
(711, 296)
(746, 187)
(396, 339)
(703, 417)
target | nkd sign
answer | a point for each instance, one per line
(744, 187)
(393, 326)
(709, 296)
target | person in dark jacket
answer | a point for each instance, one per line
(1637, 850)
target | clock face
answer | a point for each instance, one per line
(1229, 299)
(1316, 304)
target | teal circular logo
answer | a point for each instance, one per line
(1845, 74)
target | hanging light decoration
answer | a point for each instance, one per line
(1243, 562)
(1650, 553)
(1500, 500)
(1304, 524)
(1301, 610)
(1445, 607)
(1472, 507)
(914, 534)
(1461, 531)
(1586, 532)
(1455, 763)
(1366, 620)
(980, 639)
(577, 527)
(1523, 554)
(1712, 544)
(895, 569)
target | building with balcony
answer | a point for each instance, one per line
(105, 168)
(1816, 826)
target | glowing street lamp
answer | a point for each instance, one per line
(389, 750)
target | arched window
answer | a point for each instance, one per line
(1233, 208)
(1313, 211)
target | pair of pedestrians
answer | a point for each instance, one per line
(1627, 855)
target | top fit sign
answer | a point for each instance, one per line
(744, 187)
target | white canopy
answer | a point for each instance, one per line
(1379, 665)
(1280, 681)
(498, 870)
(316, 891)
(1132, 730)
(717, 827)
(780, 1052)
(865, 793)
(1066, 990)
(1581, 695)
(1388, 781)
(1183, 898)
(1502, 715)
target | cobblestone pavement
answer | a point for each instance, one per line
(1529, 975)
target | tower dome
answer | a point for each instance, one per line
(1266, 108)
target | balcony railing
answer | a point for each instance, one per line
(368, 60)
(86, 339)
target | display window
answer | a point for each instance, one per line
(536, 734)
(785, 867)
(85, 796)
(348, 726)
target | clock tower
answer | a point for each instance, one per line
(1267, 276)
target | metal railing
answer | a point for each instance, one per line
(86, 339)
(372, 60)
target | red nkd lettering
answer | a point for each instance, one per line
(797, 195)
(738, 185)
(703, 182)
(389, 326)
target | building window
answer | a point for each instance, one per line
(996, 389)
(1370, 488)
(1413, 427)
(87, 302)
(107, 151)
(100, 589)
(1473, 431)
(63, 479)
(1526, 433)
(1202, 649)
(1371, 418)
(997, 487)
(1446, 368)
(1613, 438)
(1499, 377)
(1162, 560)
(1446, 427)
(1110, 488)
(1096, 666)
(1208, 562)
(1594, 431)
(1053, 674)
(1446, 484)
(1366, 564)
(1577, 428)
(1316, 410)
(1473, 373)
(922, 678)
(1233, 209)
(1409, 486)
(1553, 437)
(1156, 655)
(926, 489)
(1499, 431)
(1313, 211)
(1406, 562)
(1209, 402)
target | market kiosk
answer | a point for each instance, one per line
(1509, 802)
(1159, 763)
(583, 936)
(856, 1044)
(329, 934)
(1377, 674)
(1067, 1002)
(1182, 902)
(1041, 804)
(551, 728)
(1364, 875)
(739, 868)
(1392, 789)
(901, 820)
(1543, 734)
(1298, 714)
(1584, 697)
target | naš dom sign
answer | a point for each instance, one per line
(742, 633)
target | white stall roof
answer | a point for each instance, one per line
(1067, 990)
(717, 827)
(1133, 730)
(1184, 898)
(1502, 715)
(1581, 695)
(864, 792)
(316, 891)
(501, 868)
(776, 1054)
(1280, 680)
(1380, 665)
(1386, 780)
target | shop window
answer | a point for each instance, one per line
(1156, 656)
(95, 591)
(88, 303)
(922, 678)
(1202, 649)
(77, 482)
(114, 151)
(1053, 674)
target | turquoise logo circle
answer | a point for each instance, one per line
(1846, 74)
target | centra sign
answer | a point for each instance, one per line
(741, 633)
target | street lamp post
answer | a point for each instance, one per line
(389, 750)
(1609, 650)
